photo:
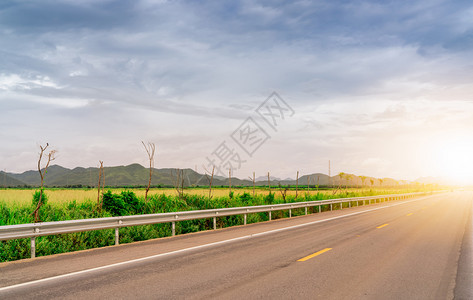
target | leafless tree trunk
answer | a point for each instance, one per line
(269, 184)
(283, 191)
(230, 179)
(253, 184)
(150, 149)
(179, 183)
(253, 179)
(99, 185)
(341, 175)
(210, 179)
(308, 183)
(42, 174)
(182, 183)
(297, 183)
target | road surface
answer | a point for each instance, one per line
(415, 249)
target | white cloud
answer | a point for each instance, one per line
(362, 79)
(16, 82)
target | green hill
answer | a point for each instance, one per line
(137, 175)
(7, 181)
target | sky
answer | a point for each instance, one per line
(379, 88)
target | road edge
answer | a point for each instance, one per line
(464, 279)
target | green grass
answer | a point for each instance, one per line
(20, 212)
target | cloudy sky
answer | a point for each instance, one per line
(380, 88)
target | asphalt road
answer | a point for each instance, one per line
(416, 249)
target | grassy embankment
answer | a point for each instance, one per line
(68, 204)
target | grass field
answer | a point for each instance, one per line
(57, 196)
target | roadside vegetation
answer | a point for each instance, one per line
(20, 206)
(80, 204)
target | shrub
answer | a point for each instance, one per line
(269, 198)
(245, 198)
(132, 204)
(114, 204)
(44, 198)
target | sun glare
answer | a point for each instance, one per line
(454, 160)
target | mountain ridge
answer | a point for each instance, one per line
(135, 175)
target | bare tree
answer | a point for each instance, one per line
(348, 177)
(341, 175)
(179, 182)
(42, 173)
(230, 180)
(308, 183)
(99, 185)
(253, 179)
(363, 178)
(150, 149)
(269, 184)
(283, 191)
(210, 179)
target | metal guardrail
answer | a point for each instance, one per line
(33, 230)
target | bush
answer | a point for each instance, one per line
(245, 198)
(269, 198)
(44, 198)
(114, 204)
(131, 201)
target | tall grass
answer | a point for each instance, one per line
(20, 212)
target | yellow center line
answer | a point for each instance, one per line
(315, 254)
(409, 214)
(382, 226)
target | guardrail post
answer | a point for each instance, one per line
(306, 210)
(349, 203)
(290, 212)
(33, 247)
(215, 223)
(320, 208)
(244, 219)
(269, 215)
(173, 228)
(330, 206)
(117, 236)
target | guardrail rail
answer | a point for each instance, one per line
(33, 230)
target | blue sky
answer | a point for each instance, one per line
(377, 87)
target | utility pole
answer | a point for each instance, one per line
(329, 174)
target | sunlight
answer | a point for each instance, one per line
(454, 159)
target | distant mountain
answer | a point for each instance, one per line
(131, 175)
(137, 175)
(265, 178)
(430, 180)
(7, 181)
(315, 179)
